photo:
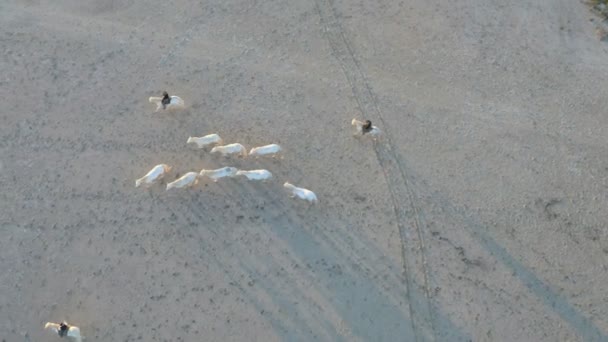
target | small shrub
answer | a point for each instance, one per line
(600, 6)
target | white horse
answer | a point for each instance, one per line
(214, 175)
(301, 193)
(261, 175)
(63, 329)
(271, 149)
(175, 103)
(365, 127)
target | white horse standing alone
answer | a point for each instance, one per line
(301, 193)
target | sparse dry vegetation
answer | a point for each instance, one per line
(601, 8)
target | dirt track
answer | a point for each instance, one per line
(479, 216)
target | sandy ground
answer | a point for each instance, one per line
(481, 214)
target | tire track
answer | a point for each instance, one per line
(408, 216)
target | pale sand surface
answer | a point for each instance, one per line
(481, 214)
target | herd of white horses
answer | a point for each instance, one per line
(191, 178)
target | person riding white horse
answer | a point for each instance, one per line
(166, 99)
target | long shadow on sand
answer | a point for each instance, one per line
(581, 324)
(369, 304)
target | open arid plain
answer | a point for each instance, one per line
(479, 214)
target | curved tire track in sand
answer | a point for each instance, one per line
(408, 220)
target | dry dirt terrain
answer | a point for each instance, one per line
(480, 215)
